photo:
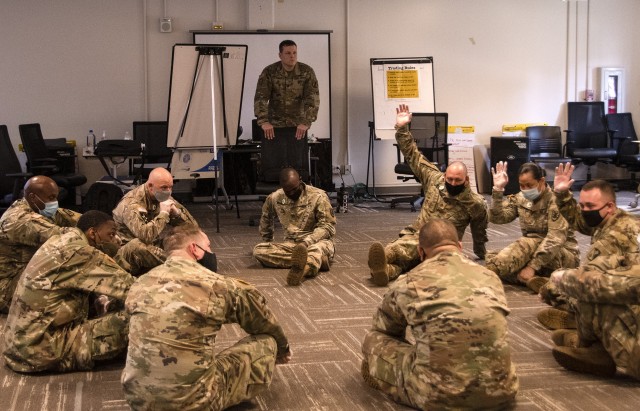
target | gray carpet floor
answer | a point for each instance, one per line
(326, 319)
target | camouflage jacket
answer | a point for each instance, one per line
(467, 208)
(137, 215)
(457, 313)
(176, 312)
(615, 286)
(618, 237)
(538, 219)
(287, 98)
(53, 296)
(23, 231)
(310, 218)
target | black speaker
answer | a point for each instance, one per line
(513, 150)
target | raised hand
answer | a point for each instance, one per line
(403, 115)
(500, 177)
(562, 180)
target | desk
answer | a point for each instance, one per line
(112, 173)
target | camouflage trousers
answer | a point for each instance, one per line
(617, 327)
(242, 371)
(402, 254)
(508, 262)
(278, 255)
(98, 339)
(140, 256)
(7, 288)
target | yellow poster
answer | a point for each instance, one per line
(402, 84)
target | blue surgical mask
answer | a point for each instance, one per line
(49, 209)
(162, 196)
(531, 194)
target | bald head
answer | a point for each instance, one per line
(291, 183)
(437, 235)
(456, 174)
(39, 190)
(288, 175)
(160, 179)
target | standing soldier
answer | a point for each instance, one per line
(176, 311)
(546, 244)
(48, 328)
(142, 214)
(446, 196)
(309, 225)
(25, 226)
(456, 310)
(286, 102)
(614, 235)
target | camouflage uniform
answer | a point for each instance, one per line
(547, 243)
(608, 310)
(287, 98)
(461, 359)
(609, 244)
(309, 219)
(48, 326)
(22, 232)
(139, 223)
(176, 311)
(467, 208)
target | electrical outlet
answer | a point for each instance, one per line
(347, 169)
(336, 170)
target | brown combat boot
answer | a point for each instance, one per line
(324, 266)
(371, 382)
(378, 264)
(565, 338)
(593, 360)
(298, 264)
(555, 319)
(535, 283)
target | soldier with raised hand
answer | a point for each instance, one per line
(142, 215)
(176, 311)
(456, 310)
(614, 235)
(48, 327)
(25, 226)
(547, 242)
(446, 195)
(309, 226)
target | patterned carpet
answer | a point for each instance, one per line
(325, 320)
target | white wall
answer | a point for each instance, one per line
(72, 65)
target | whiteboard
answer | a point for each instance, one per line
(394, 81)
(205, 90)
(313, 49)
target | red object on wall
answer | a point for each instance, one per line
(612, 106)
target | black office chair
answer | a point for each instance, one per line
(153, 134)
(12, 178)
(545, 145)
(430, 132)
(52, 158)
(625, 140)
(587, 135)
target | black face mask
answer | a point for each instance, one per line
(592, 217)
(296, 194)
(454, 190)
(208, 260)
(107, 247)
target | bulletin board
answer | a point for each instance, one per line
(394, 81)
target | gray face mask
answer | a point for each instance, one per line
(162, 196)
(531, 194)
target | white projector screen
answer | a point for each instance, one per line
(313, 49)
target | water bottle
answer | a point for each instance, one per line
(104, 135)
(127, 136)
(91, 139)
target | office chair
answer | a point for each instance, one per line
(545, 145)
(12, 178)
(153, 134)
(625, 140)
(430, 132)
(56, 160)
(587, 135)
